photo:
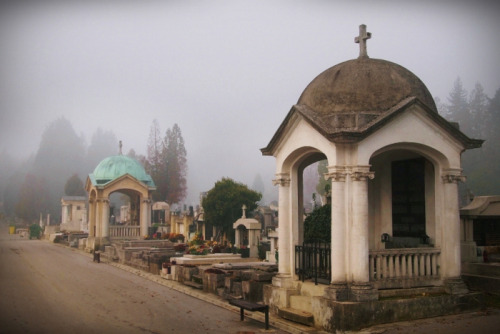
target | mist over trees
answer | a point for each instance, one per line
(167, 163)
(35, 186)
(478, 117)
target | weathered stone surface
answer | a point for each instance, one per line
(344, 316)
(261, 276)
(253, 291)
(213, 281)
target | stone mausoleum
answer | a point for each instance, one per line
(125, 175)
(394, 167)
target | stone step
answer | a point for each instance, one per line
(301, 303)
(194, 285)
(298, 316)
(481, 269)
(482, 283)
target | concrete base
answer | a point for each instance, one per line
(337, 292)
(336, 316)
(362, 292)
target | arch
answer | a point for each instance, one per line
(124, 175)
(291, 202)
(438, 159)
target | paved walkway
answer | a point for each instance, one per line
(483, 322)
(486, 322)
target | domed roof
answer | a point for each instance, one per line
(352, 99)
(116, 166)
(364, 85)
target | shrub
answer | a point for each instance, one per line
(317, 226)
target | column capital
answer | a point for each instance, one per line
(361, 173)
(282, 179)
(336, 173)
(452, 175)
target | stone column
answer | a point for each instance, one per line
(450, 246)
(237, 241)
(98, 218)
(91, 218)
(284, 238)
(338, 287)
(144, 221)
(361, 289)
(105, 218)
(64, 218)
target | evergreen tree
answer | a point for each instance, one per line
(175, 164)
(478, 105)
(222, 204)
(258, 184)
(323, 185)
(33, 198)
(74, 186)
(458, 108)
(60, 155)
(102, 145)
(156, 162)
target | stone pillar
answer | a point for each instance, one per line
(338, 287)
(361, 289)
(91, 218)
(237, 241)
(98, 215)
(144, 221)
(105, 218)
(450, 246)
(284, 238)
(64, 218)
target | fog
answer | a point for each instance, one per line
(227, 72)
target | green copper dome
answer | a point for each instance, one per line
(116, 166)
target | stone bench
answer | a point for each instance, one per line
(246, 305)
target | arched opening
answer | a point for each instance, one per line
(303, 180)
(402, 197)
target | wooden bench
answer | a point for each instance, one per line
(246, 305)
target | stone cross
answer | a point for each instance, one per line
(244, 208)
(361, 39)
(121, 145)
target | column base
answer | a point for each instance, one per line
(455, 286)
(284, 281)
(338, 291)
(363, 292)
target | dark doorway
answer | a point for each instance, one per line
(408, 198)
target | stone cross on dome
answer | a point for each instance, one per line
(361, 39)
(244, 208)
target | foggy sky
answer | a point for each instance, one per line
(227, 72)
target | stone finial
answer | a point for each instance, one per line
(361, 39)
(244, 208)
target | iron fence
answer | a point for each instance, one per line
(313, 261)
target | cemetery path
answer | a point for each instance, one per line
(49, 289)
